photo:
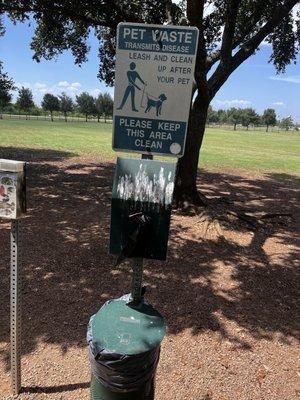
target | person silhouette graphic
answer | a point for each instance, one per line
(132, 76)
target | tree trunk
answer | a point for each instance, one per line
(186, 182)
(66, 117)
(86, 117)
(234, 127)
(51, 116)
(98, 117)
(105, 118)
(267, 130)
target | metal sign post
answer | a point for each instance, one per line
(137, 279)
(138, 265)
(13, 207)
(15, 308)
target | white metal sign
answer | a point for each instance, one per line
(153, 87)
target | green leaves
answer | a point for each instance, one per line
(50, 102)
(286, 123)
(66, 25)
(86, 104)
(6, 87)
(104, 104)
(25, 99)
(284, 43)
(269, 117)
(65, 103)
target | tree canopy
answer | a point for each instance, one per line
(66, 104)
(235, 116)
(269, 117)
(239, 25)
(50, 103)
(6, 87)
(286, 123)
(249, 117)
(86, 104)
(25, 99)
(104, 105)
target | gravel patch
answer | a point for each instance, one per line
(231, 301)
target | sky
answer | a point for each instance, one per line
(254, 84)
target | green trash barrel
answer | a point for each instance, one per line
(124, 342)
(99, 392)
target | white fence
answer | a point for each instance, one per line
(72, 118)
(56, 118)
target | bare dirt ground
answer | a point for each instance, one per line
(231, 301)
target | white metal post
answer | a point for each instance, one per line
(15, 309)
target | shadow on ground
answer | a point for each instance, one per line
(34, 155)
(56, 389)
(68, 273)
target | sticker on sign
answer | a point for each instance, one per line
(153, 87)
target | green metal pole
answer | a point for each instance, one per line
(137, 277)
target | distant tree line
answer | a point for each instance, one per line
(102, 106)
(249, 117)
(85, 104)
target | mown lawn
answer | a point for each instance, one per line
(252, 150)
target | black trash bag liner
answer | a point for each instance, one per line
(121, 373)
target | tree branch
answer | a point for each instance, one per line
(229, 30)
(212, 59)
(253, 20)
(248, 48)
(195, 9)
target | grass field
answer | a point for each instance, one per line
(253, 151)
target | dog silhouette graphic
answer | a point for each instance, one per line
(157, 104)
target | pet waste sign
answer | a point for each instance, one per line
(154, 79)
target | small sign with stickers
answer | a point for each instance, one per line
(12, 189)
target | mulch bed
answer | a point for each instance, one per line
(231, 300)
